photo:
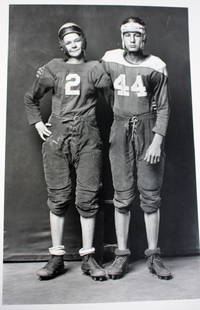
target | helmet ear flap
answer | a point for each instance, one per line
(60, 44)
(143, 42)
(122, 38)
(84, 43)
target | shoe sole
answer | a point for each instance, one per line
(115, 277)
(95, 278)
(118, 276)
(169, 277)
(43, 278)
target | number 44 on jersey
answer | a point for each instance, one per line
(124, 90)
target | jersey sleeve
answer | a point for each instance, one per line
(99, 76)
(161, 98)
(41, 85)
(105, 62)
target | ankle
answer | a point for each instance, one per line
(58, 250)
(150, 252)
(119, 252)
(84, 252)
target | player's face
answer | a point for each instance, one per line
(133, 41)
(72, 44)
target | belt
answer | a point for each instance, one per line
(132, 121)
(72, 117)
(142, 116)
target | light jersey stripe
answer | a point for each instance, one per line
(152, 62)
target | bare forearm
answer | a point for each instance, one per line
(157, 139)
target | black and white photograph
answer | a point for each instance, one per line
(100, 165)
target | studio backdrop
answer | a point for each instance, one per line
(33, 42)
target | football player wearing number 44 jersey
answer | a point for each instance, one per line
(141, 113)
(71, 139)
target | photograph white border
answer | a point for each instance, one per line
(194, 41)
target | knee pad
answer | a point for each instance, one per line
(121, 204)
(87, 211)
(59, 200)
(123, 210)
(149, 209)
(150, 204)
(57, 209)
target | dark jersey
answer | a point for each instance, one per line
(136, 86)
(73, 89)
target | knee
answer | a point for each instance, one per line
(150, 204)
(149, 209)
(123, 201)
(58, 201)
(87, 211)
(87, 200)
(122, 210)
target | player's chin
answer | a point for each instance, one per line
(76, 54)
(133, 50)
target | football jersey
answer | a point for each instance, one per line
(136, 86)
(73, 89)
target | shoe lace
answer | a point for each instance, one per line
(119, 260)
(53, 262)
(158, 260)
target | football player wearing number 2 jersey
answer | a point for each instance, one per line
(71, 139)
(141, 113)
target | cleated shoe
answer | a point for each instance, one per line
(156, 266)
(54, 267)
(120, 264)
(91, 267)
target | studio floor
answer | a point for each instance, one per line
(21, 286)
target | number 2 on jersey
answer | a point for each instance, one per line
(72, 80)
(124, 90)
